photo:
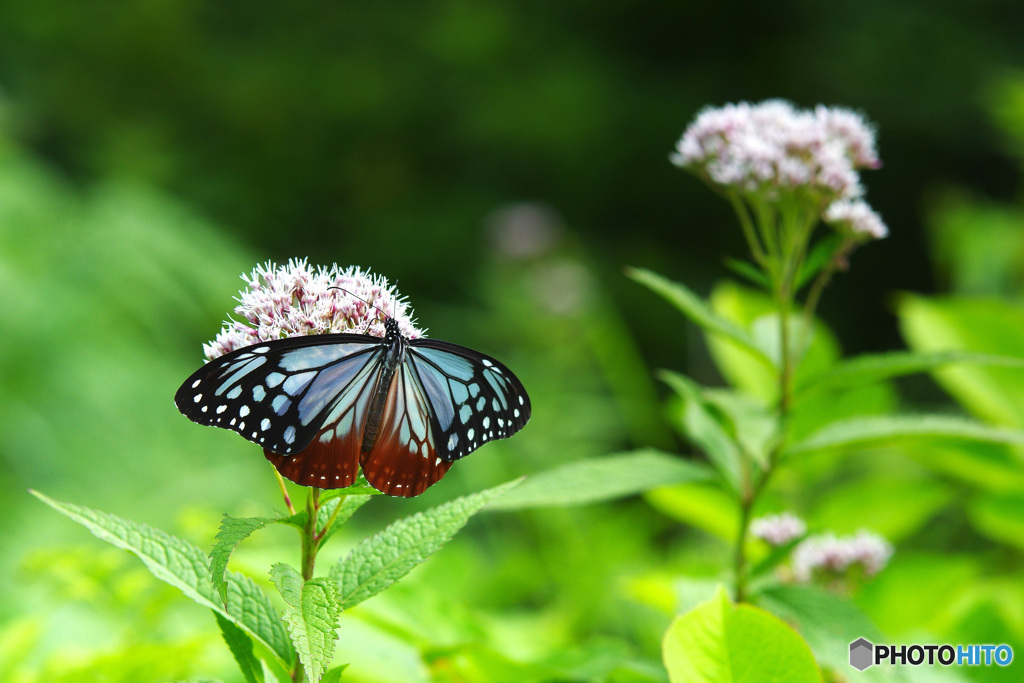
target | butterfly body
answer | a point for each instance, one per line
(321, 406)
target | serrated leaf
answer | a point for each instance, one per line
(313, 623)
(288, 581)
(233, 530)
(704, 430)
(240, 645)
(348, 507)
(878, 367)
(384, 558)
(719, 642)
(871, 431)
(334, 675)
(694, 308)
(600, 479)
(360, 487)
(184, 566)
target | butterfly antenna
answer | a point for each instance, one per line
(379, 310)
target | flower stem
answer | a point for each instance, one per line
(284, 491)
(309, 537)
(784, 280)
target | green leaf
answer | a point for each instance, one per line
(694, 308)
(993, 394)
(360, 487)
(349, 504)
(876, 367)
(754, 311)
(821, 253)
(719, 642)
(185, 567)
(313, 624)
(703, 428)
(1000, 517)
(240, 645)
(704, 505)
(748, 270)
(334, 675)
(875, 431)
(288, 581)
(384, 558)
(893, 504)
(233, 530)
(828, 622)
(599, 479)
(754, 428)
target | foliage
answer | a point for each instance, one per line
(389, 144)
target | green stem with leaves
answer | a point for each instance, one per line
(793, 233)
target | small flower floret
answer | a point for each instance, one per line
(857, 218)
(835, 555)
(778, 529)
(295, 300)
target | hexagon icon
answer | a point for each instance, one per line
(861, 651)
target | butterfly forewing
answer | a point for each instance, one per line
(277, 394)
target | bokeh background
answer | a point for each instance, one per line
(504, 161)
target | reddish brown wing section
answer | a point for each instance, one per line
(403, 460)
(331, 464)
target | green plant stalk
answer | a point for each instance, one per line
(794, 236)
(309, 534)
(310, 545)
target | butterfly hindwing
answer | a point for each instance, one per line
(474, 398)
(404, 460)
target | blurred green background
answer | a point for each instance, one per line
(503, 161)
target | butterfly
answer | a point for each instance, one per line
(322, 406)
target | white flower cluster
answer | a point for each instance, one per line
(771, 146)
(778, 529)
(832, 554)
(771, 149)
(295, 300)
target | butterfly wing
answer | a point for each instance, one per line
(306, 401)
(404, 460)
(444, 402)
(280, 394)
(473, 398)
(331, 460)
